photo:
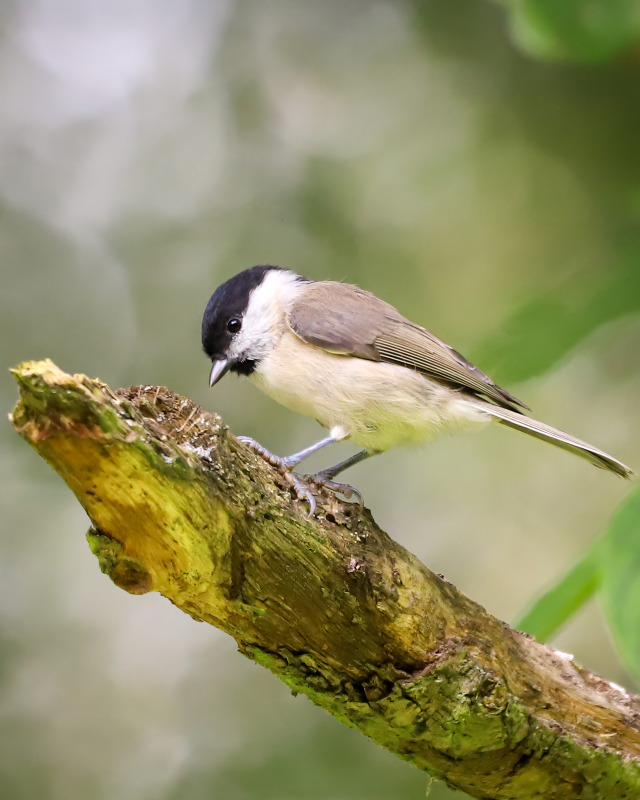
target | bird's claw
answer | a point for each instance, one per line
(303, 492)
(297, 482)
(346, 490)
(300, 483)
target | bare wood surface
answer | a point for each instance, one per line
(332, 606)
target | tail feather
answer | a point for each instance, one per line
(558, 438)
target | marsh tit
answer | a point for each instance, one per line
(341, 355)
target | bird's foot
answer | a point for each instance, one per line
(300, 483)
(276, 461)
(347, 491)
(283, 465)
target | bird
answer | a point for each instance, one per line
(339, 354)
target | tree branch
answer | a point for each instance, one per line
(332, 606)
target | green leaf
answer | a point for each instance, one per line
(578, 30)
(550, 611)
(621, 581)
(544, 328)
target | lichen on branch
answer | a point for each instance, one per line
(332, 606)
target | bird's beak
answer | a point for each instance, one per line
(219, 368)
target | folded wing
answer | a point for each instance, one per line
(346, 320)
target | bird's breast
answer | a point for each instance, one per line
(375, 404)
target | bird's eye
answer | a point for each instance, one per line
(234, 325)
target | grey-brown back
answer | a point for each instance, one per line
(347, 320)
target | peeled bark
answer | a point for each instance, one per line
(331, 605)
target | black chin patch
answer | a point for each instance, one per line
(245, 367)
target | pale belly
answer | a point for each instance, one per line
(373, 404)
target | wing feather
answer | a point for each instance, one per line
(346, 320)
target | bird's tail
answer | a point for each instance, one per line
(560, 439)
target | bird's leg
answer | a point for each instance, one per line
(330, 472)
(325, 477)
(283, 465)
(288, 461)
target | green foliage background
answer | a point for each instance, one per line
(474, 163)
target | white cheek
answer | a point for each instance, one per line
(243, 346)
(263, 321)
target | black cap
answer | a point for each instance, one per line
(228, 301)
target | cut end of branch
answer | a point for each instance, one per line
(51, 400)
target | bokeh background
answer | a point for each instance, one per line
(476, 164)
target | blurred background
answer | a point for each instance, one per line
(476, 164)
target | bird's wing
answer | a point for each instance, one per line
(346, 320)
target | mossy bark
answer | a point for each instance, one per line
(332, 606)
